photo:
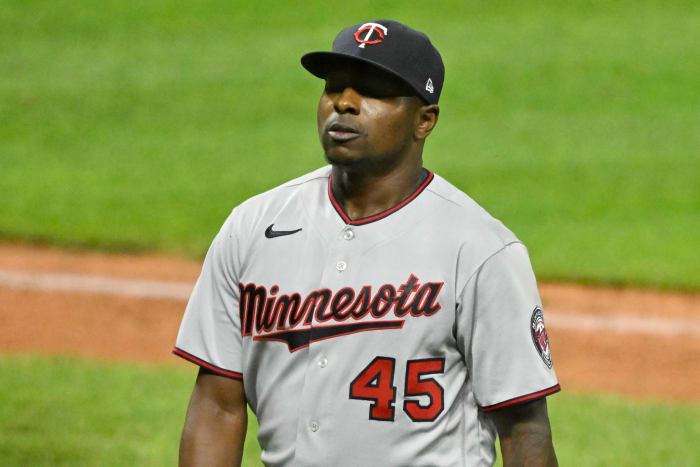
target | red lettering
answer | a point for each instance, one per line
(286, 306)
(316, 302)
(251, 302)
(361, 305)
(383, 301)
(340, 309)
(265, 312)
(405, 291)
(425, 301)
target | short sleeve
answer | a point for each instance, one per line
(503, 332)
(210, 334)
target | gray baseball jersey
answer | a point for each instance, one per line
(375, 341)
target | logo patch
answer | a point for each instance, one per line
(539, 336)
(429, 86)
(269, 233)
(299, 320)
(371, 28)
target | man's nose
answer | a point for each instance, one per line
(348, 101)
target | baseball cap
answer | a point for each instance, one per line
(389, 45)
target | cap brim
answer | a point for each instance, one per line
(319, 63)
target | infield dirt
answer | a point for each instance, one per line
(639, 343)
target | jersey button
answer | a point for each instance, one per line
(315, 426)
(348, 234)
(341, 266)
(323, 362)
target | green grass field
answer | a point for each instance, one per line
(67, 411)
(139, 125)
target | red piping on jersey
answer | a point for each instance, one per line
(525, 398)
(381, 215)
(188, 356)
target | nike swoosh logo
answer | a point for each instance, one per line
(269, 233)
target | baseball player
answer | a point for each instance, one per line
(369, 312)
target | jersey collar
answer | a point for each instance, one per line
(366, 220)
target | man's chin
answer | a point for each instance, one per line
(345, 160)
(356, 162)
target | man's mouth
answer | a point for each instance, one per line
(341, 133)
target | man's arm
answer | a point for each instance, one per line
(525, 435)
(216, 422)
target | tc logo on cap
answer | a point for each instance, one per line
(371, 28)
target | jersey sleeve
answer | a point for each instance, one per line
(503, 334)
(210, 334)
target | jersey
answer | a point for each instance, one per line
(375, 341)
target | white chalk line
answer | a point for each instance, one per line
(97, 285)
(621, 324)
(181, 291)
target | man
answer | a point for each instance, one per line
(369, 312)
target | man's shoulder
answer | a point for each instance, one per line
(463, 216)
(455, 196)
(281, 193)
(319, 175)
(246, 217)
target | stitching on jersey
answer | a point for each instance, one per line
(289, 184)
(284, 186)
(444, 198)
(474, 274)
(481, 265)
(302, 179)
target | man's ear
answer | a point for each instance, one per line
(426, 119)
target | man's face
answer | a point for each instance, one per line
(366, 117)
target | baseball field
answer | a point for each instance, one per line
(129, 130)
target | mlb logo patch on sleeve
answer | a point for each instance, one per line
(539, 336)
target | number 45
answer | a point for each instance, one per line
(376, 383)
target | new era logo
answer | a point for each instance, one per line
(429, 86)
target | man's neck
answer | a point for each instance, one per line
(364, 194)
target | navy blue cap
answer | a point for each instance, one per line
(394, 47)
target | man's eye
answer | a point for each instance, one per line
(333, 88)
(372, 91)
